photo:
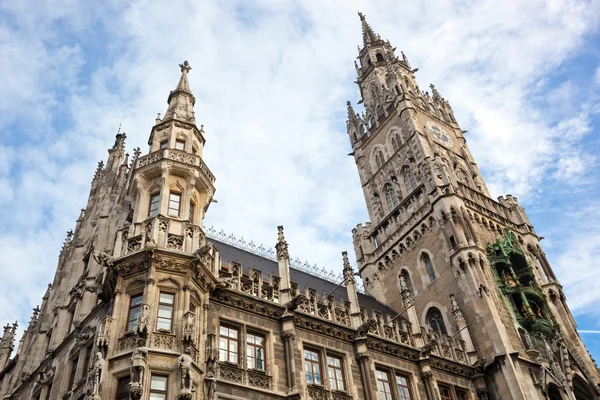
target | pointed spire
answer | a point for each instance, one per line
(351, 112)
(181, 100)
(348, 271)
(281, 246)
(368, 34)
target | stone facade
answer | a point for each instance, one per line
(459, 300)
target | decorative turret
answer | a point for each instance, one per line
(181, 100)
(7, 344)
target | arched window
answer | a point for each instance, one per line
(379, 160)
(435, 321)
(390, 197)
(409, 181)
(406, 277)
(379, 57)
(396, 141)
(426, 260)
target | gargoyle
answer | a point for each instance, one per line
(362, 330)
(293, 304)
(104, 259)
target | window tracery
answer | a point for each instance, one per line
(435, 321)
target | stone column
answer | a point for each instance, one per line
(363, 359)
(350, 282)
(288, 335)
(408, 301)
(461, 326)
(433, 392)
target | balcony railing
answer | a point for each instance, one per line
(176, 155)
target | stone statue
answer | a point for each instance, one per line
(185, 366)
(189, 326)
(99, 367)
(294, 303)
(139, 360)
(212, 357)
(144, 319)
(365, 328)
(104, 259)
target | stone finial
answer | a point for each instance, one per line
(157, 120)
(457, 313)
(281, 247)
(407, 296)
(351, 112)
(137, 152)
(185, 67)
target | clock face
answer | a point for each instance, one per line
(439, 134)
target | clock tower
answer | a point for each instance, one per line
(438, 248)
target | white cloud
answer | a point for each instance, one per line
(271, 87)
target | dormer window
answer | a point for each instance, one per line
(180, 145)
(164, 144)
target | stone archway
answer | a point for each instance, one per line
(554, 392)
(582, 390)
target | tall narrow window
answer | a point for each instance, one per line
(255, 350)
(135, 305)
(445, 392)
(165, 311)
(73, 372)
(336, 373)
(164, 144)
(426, 260)
(409, 181)
(404, 274)
(383, 385)
(403, 387)
(379, 160)
(390, 197)
(174, 202)
(123, 388)
(395, 141)
(435, 320)
(180, 144)
(228, 344)
(154, 204)
(191, 211)
(86, 358)
(461, 394)
(312, 367)
(158, 387)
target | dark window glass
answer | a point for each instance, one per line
(73, 372)
(428, 266)
(436, 321)
(123, 388)
(164, 145)
(445, 392)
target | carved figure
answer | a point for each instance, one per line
(426, 350)
(212, 357)
(139, 360)
(189, 326)
(99, 366)
(144, 319)
(185, 366)
(104, 259)
(362, 330)
(203, 255)
(294, 303)
(509, 280)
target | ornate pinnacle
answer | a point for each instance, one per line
(436, 95)
(185, 67)
(281, 246)
(351, 112)
(457, 313)
(348, 271)
(368, 34)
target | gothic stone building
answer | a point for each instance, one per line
(459, 300)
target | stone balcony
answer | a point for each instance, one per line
(178, 156)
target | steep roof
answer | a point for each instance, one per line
(268, 267)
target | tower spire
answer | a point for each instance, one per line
(181, 100)
(368, 34)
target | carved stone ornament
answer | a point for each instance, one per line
(288, 335)
(184, 363)
(281, 247)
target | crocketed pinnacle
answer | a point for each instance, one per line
(351, 113)
(368, 34)
(181, 100)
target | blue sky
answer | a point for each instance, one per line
(271, 82)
